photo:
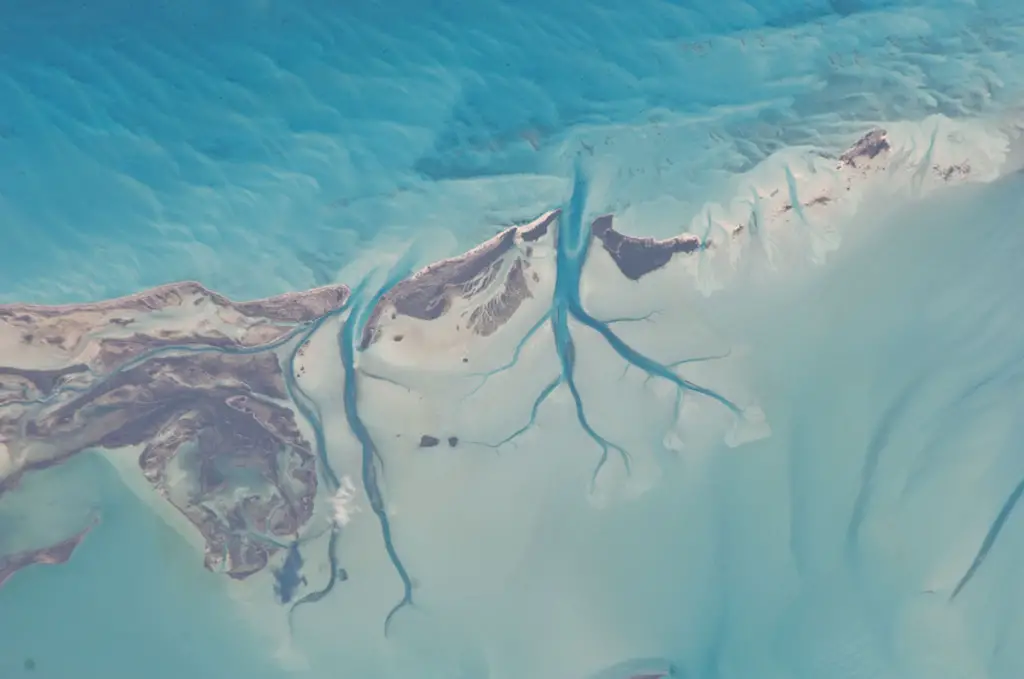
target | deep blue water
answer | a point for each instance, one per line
(145, 143)
(260, 146)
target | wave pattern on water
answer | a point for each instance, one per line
(289, 138)
(732, 390)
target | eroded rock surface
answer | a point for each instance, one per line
(489, 283)
(188, 376)
(868, 147)
(51, 555)
(637, 257)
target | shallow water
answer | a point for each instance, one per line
(131, 603)
(647, 519)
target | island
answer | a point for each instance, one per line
(189, 376)
(200, 387)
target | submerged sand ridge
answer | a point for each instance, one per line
(202, 386)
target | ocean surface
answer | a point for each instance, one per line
(865, 527)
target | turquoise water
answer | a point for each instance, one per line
(261, 146)
(147, 144)
(132, 604)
